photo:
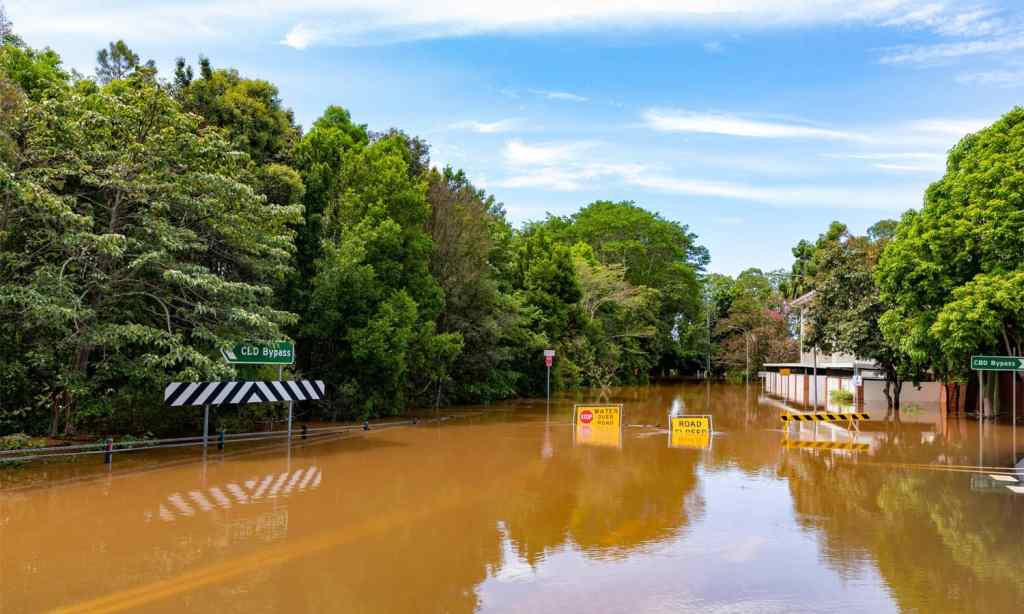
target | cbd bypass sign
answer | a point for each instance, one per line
(280, 353)
(997, 363)
(597, 425)
(690, 432)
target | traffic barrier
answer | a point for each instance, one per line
(827, 445)
(825, 417)
(179, 394)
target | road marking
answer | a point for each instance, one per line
(1002, 478)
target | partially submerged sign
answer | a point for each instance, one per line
(690, 432)
(997, 363)
(280, 353)
(598, 425)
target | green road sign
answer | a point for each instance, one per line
(280, 353)
(997, 363)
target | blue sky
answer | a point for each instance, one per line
(755, 122)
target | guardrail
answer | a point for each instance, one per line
(110, 447)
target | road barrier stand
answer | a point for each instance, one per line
(852, 420)
(827, 445)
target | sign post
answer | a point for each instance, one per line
(549, 359)
(996, 363)
(281, 353)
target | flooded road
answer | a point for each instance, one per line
(508, 511)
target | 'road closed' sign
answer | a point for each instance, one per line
(598, 425)
(690, 432)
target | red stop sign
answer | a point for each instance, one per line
(586, 416)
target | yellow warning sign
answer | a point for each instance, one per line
(690, 432)
(784, 371)
(598, 425)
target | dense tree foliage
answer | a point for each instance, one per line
(843, 315)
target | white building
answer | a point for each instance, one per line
(812, 380)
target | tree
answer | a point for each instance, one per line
(117, 62)
(471, 237)
(844, 314)
(969, 234)
(754, 328)
(374, 304)
(654, 252)
(7, 34)
(134, 250)
(614, 316)
(250, 110)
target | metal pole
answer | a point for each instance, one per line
(707, 373)
(547, 388)
(206, 425)
(290, 405)
(981, 396)
(815, 354)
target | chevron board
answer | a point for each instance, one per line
(179, 394)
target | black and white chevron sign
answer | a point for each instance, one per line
(178, 394)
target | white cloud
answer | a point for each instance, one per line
(519, 153)
(952, 127)
(575, 166)
(560, 95)
(502, 125)
(1000, 78)
(714, 47)
(798, 196)
(951, 21)
(369, 22)
(674, 120)
(927, 54)
(302, 36)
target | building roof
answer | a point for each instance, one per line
(800, 301)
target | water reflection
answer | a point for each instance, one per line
(502, 512)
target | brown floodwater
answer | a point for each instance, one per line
(506, 510)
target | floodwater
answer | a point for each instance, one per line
(509, 511)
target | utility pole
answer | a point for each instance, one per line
(707, 312)
(746, 339)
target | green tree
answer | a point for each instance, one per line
(755, 327)
(969, 234)
(471, 237)
(250, 110)
(374, 304)
(843, 315)
(133, 249)
(117, 62)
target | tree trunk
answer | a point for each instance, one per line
(898, 387)
(81, 366)
(888, 395)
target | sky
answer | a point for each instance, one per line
(753, 122)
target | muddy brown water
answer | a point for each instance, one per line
(504, 511)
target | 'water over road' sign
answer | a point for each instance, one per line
(997, 363)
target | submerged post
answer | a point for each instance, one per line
(549, 358)
(220, 440)
(206, 425)
(108, 458)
